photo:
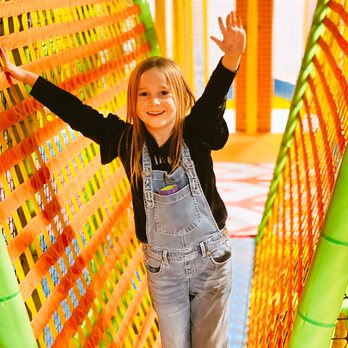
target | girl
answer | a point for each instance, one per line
(165, 146)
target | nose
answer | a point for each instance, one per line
(155, 100)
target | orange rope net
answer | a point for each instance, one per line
(311, 152)
(66, 219)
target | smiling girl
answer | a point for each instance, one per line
(165, 146)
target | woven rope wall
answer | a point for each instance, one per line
(66, 219)
(312, 148)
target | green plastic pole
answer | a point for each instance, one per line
(344, 308)
(146, 18)
(327, 281)
(15, 327)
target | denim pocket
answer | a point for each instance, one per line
(176, 214)
(221, 254)
(152, 265)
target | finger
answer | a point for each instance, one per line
(239, 23)
(4, 55)
(228, 21)
(217, 41)
(1, 52)
(8, 78)
(234, 21)
(221, 25)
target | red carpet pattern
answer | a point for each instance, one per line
(244, 188)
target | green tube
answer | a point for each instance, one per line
(146, 19)
(15, 327)
(325, 287)
(344, 308)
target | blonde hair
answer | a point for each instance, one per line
(183, 99)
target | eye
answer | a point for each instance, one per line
(165, 92)
(142, 94)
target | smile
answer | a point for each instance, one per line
(155, 113)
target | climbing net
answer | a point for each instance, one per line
(67, 220)
(304, 178)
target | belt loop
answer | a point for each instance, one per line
(165, 257)
(203, 250)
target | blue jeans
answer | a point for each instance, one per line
(191, 296)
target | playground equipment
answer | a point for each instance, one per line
(71, 271)
(67, 220)
(304, 178)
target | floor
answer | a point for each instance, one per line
(244, 188)
(244, 169)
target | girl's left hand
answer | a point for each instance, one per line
(234, 36)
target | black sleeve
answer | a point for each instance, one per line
(206, 122)
(79, 116)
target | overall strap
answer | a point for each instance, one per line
(189, 167)
(147, 178)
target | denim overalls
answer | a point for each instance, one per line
(187, 257)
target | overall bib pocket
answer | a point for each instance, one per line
(176, 214)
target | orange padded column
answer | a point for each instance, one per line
(160, 25)
(264, 66)
(240, 84)
(183, 38)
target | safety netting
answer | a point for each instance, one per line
(304, 178)
(67, 221)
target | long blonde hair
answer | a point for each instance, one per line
(183, 99)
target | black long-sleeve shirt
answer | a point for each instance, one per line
(204, 130)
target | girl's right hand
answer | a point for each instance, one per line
(14, 71)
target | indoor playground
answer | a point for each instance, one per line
(71, 267)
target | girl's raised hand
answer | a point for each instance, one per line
(6, 66)
(14, 71)
(234, 39)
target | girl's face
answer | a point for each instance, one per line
(155, 104)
